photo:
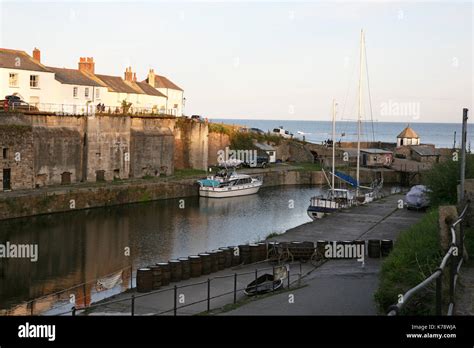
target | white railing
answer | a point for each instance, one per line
(89, 109)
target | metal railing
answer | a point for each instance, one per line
(88, 109)
(174, 307)
(453, 260)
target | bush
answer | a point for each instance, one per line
(443, 179)
(416, 254)
(242, 141)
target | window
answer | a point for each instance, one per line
(13, 80)
(34, 81)
(86, 92)
(5, 153)
(97, 93)
(74, 92)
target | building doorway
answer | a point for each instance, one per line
(7, 179)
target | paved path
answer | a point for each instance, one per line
(339, 287)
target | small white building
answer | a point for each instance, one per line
(408, 137)
(174, 94)
(25, 76)
(269, 150)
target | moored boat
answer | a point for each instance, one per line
(228, 183)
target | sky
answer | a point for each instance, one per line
(268, 60)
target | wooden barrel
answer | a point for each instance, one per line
(386, 246)
(235, 255)
(254, 253)
(176, 270)
(186, 268)
(214, 261)
(220, 259)
(244, 251)
(262, 251)
(227, 256)
(165, 272)
(156, 271)
(374, 248)
(321, 247)
(196, 265)
(144, 280)
(206, 263)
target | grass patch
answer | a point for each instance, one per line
(220, 128)
(308, 167)
(415, 256)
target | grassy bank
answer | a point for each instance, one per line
(415, 256)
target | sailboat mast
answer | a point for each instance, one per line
(333, 141)
(359, 114)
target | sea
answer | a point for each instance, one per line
(442, 135)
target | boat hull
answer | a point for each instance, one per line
(316, 213)
(231, 191)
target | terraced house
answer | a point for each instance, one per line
(77, 91)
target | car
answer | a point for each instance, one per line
(282, 132)
(15, 103)
(417, 198)
(256, 130)
(262, 162)
(197, 118)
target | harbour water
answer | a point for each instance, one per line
(439, 134)
(81, 246)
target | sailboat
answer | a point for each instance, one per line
(337, 199)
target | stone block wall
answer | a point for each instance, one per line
(151, 147)
(191, 144)
(16, 152)
(108, 147)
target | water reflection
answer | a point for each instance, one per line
(78, 247)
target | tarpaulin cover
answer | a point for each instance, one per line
(418, 196)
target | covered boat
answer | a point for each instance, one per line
(263, 284)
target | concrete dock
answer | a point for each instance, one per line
(339, 287)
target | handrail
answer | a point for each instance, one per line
(455, 251)
(207, 298)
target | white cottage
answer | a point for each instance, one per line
(174, 94)
(25, 76)
(77, 92)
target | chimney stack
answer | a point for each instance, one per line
(128, 76)
(87, 64)
(151, 77)
(134, 77)
(37, 55)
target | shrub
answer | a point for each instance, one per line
(443, 179)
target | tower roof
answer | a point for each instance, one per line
(408, 133)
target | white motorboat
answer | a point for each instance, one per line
(227, 183)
